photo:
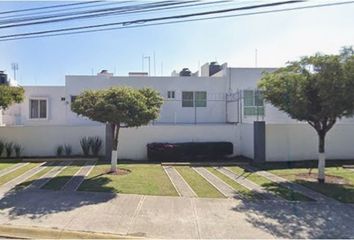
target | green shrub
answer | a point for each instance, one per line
(9, 149)
(190, 151)
(2, 147)
(85, 143)
(96, 145)
(68, 149)
(60, 150)
(18, 150)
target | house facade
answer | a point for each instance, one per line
(219, 103)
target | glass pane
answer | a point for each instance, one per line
(34, 108)
(43, 108)
(200, 99)
(253, 111)
(258, 98)
(73, 98)
(248, 97)
(187, 99)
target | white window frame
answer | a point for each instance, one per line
(173, 92)
(47, 108)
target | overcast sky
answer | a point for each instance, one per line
(279, 37)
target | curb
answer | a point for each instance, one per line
(28, 232)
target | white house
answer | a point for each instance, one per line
(219, 104)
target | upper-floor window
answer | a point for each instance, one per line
(194, 99)
(73, 98)
(253, 103)
(171, 94)
(38, 108)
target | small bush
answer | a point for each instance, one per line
(18, 150)
(9, 149)
(60, 150)
(85, 145)
(68, 149)
(190, 151)
(2, 147)
(96, 145)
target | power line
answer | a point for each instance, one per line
(92, 13)
(181, 21)
(48, 7)
(144, 21)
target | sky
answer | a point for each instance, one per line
(278, 37)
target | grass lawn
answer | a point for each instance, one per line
(8, 177)
(34, 177)
(200, 186)
(270, 186)
(64, 176)
(245, 192)
(341, 192)
(146, 179)
(7, 163)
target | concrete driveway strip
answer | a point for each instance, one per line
(40, 182)
(79, 177)
(12, 168)
(12, 183)
(181, 186)
(247, 183)
(220, 185)
(293, 186)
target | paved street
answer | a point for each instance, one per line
(176, 217)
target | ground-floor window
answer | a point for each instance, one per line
(253, 103)
(38, 108)
(194, 99)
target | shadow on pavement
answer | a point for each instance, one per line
(300, 219)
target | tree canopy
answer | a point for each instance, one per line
(119, 105)
(10, 95)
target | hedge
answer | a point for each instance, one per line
(188, 151)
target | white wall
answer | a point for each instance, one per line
(289, 142)
(133, 141)
(43, 140)
(247, 140)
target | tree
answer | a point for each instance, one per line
(10, 95)
(317, 89)
(119, 107)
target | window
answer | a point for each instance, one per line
(200, 99)
(72, 98)
(194, 99)
(253, 104)
(38, 108)
(187, 99)
(171, 94)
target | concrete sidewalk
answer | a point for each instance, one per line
(175, 217)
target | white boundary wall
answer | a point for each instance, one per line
(289, 142)
(133, 141)
(247, 140)
(44, 140)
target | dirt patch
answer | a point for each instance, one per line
(120, 171)
(313, 178)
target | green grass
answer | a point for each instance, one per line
(270, 186)
(34, 177)
(340, 192)
(7, 163)
(245, 192)
(64, 176)
(8, 177)
(146, 179)
(200, 186)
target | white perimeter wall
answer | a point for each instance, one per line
(246, 140)
(43, 140)
(133, 141)
(289, 142)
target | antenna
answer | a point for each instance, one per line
(154, 64)
(161, 68)
(14, 67)
(149, 59)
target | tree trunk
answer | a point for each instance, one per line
(114, 157)
(321, 157)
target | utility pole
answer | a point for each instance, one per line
(14, 67)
